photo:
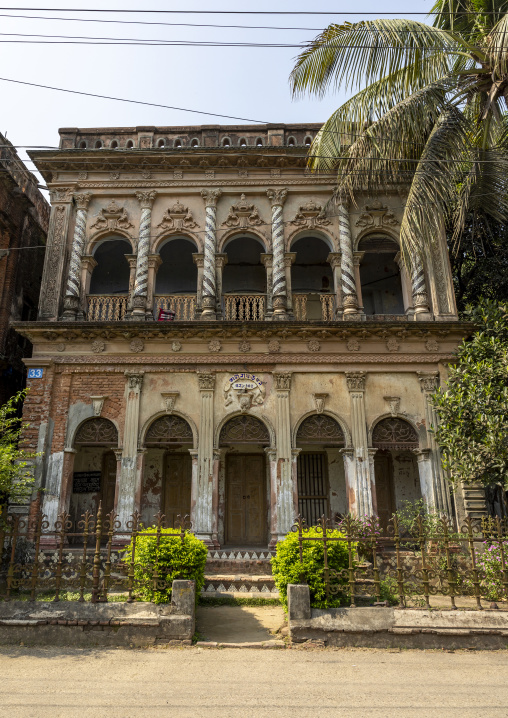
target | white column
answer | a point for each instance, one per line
(277, 198)
(284, 474)
(426, 477)
(289, 260)
(203, 505)
(209, 291)
(140, 293)
(194, 486)
(73, 291)
(363, 493)
(440, 494)
(128, 484)
(349, 297)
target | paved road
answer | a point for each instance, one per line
(351, 683)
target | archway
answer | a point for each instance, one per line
(244, 280)
(95, 468)
(245, 519)
(177, 279)
(380, 279)
(167, 478)
(312, 279)
(320, 469)
(395, 466)
(109, 284)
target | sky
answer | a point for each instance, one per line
(250, 83)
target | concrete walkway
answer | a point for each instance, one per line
(238, 624)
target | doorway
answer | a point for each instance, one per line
(108, 483)
(176, 499)
(245, 500)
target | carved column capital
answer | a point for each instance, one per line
(146, 199)
(198, 259)
(61, 195)
(211, 196)
(282, 380)
(206, 381)
(135, 379)
(277, 196)
(82, 200)
(429, 381)
(355, 380)
(88, 262)
(266, 259)
(289, 258)
(154, 261)
(357, 258)
(221, 260)
(334, 259)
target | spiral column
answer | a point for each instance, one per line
(209, 291)
(418, 286)
(277, 198)
(348, 284)
(73, 291)
(140, 291)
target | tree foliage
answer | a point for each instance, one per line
(473, 408)
(16, 477)
(429, 111)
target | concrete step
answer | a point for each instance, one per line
(239, 585)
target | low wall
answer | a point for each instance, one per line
(389, 627)
(71, 623)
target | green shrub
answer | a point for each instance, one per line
(286, 567)
(173, 558)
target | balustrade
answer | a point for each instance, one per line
(244, 307)
(314, 306)
(107, 307)
(183, 305)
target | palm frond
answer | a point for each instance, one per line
(497, 52)
(359, 54)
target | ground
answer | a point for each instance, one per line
(238, 624)
(198, 683)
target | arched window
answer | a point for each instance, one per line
(226, 142)
(178, 144)
(244, 429)
(97, 432)
(111, 274)
(320, 429)
(177, 279)
(169, 430)
(312, 280)
(259, 142)
(394, 433)
(194, 143)
(161, 143)
(82, 145)
(380, 276)
(114, 144)
(308, 141)
(291, 142)
(244, 280)
(243, 142)
(98, 144)
(130, 145)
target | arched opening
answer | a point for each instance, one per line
(226, 142)
(109, 284)
(395, 466)
(177, 278)
(114, 144)
(82, 145)
(242, 142)
(312, 280)
(244, 482)
(259, 142)
(178, 144)
(380, 279)
(320, 469)
(95, 468)
(161, 143)
(308, 141)
(194, 143)
(291, 142)
(167, 470)
(244, 280)
(98, 144)
(130, 145)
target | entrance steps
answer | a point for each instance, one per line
(239, 573)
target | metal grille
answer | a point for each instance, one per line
(312, 487)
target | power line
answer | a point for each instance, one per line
(234, 12)
(135, 102)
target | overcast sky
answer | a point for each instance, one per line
(251, 83)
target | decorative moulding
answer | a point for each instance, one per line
(98, 403)
(169, 400)
(393, 404)
(320, 401)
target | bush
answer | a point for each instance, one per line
(286, 567)
(173, 558)
(490, 570)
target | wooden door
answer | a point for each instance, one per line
(176, 499)
(385, 492)
(245, 500)
(108, 483)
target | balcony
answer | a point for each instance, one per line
(107, 307)
(183, 305)
(244, 307)
(314, 306)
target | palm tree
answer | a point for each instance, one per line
(430, 112)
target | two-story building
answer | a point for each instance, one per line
(215, 339)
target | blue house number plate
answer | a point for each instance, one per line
(35, 373)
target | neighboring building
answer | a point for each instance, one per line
(295, 376)
(24, 219)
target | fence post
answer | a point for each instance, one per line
(323, 522)
(14, 525)
(61, 524)
(133, 525)
(400, 573)
(351, 568)
(375, 568)
(425, 568)
(501, 536)
(97, 556)
(35, 568)
(85, 525)
(111, 524)
(449, 569)
(472, 551)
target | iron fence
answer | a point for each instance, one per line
(89, 556)
(410, 564)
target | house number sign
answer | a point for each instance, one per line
(242, 382)
(35, 373)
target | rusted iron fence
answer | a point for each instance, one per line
(86, 557)
(411, 565)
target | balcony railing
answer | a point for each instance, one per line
(314, 306)
(183, 305)
(244, 307)
(107, 307)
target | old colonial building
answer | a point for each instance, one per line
(24, 218)
(212, 339)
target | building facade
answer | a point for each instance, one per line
(214, 340)
(24, 219)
